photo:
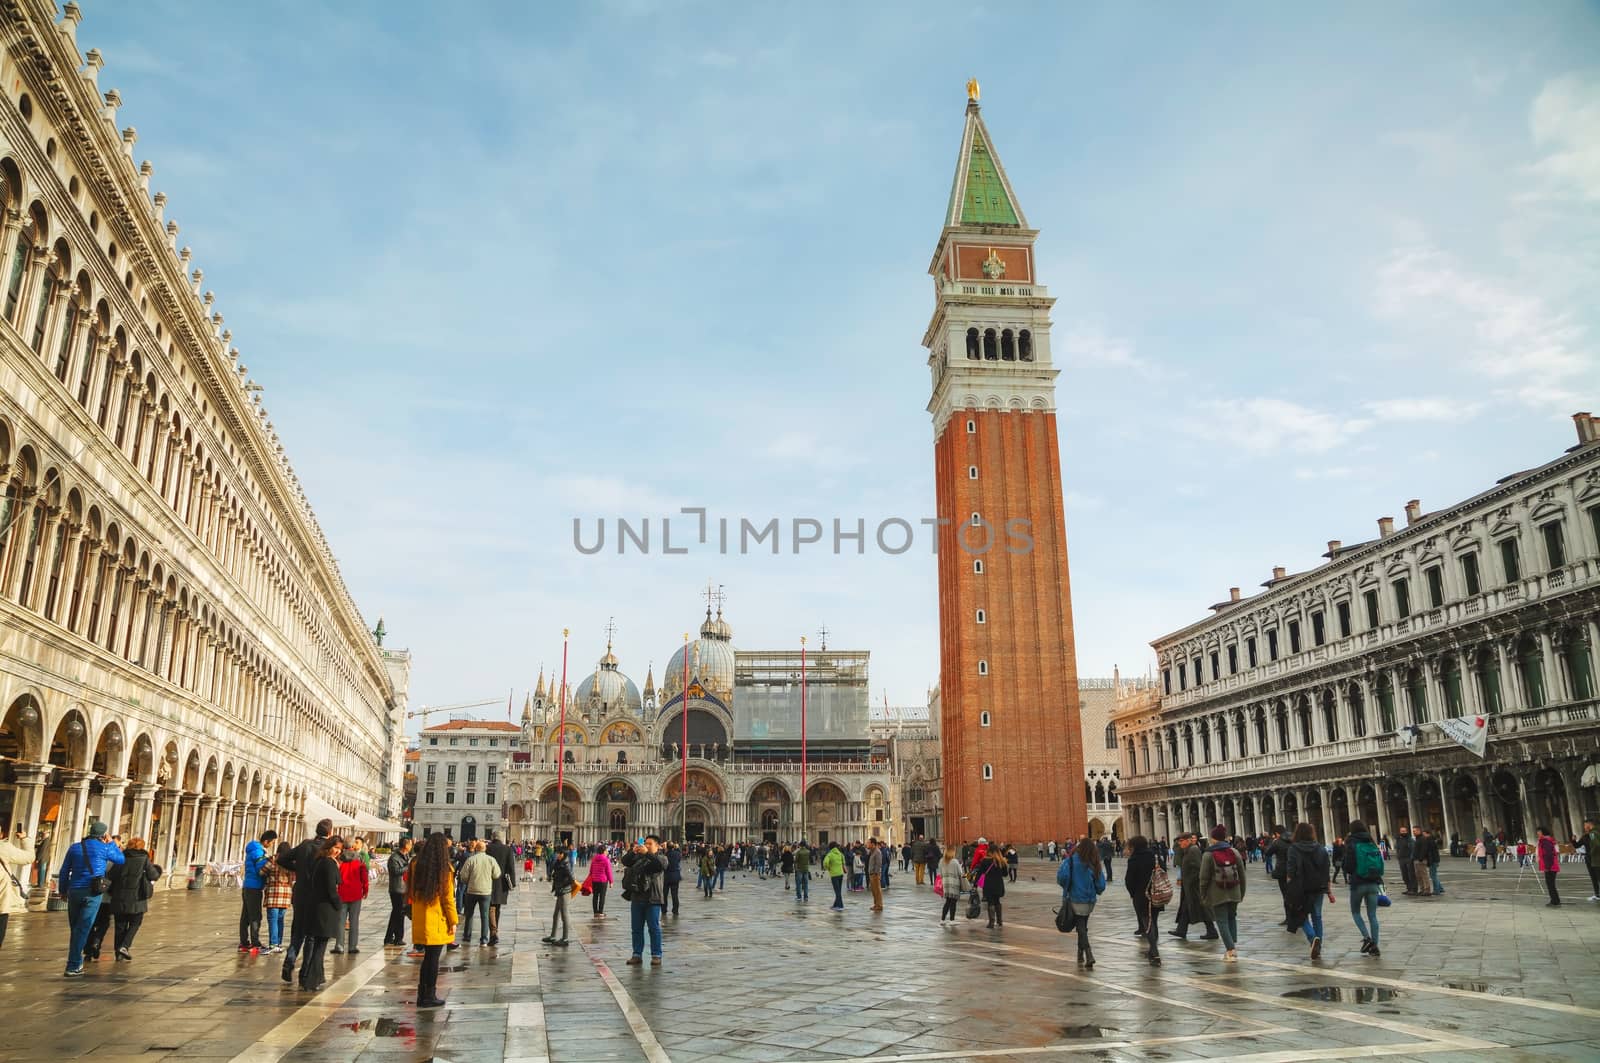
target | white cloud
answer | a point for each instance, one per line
(1090, 346)
(1331, 472)
(1421, 409)
(1269, 426)
(1513, 337)
(1565, 122)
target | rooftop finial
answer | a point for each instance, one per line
(972, 90)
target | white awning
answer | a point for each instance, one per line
(368, 822)
(317, 810)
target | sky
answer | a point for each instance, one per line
(505, 266)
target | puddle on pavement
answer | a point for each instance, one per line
(382, 1027)
(1336, 994)
(1082, 1033)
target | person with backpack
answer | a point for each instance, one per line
(1363, 869)
(1150, 890)
(1082, 880)
(1222, 888)
(1309, 881)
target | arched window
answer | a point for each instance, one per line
(21, 257)
(991, 346)
(1385, 704)
(1025, 346)
(1488, 669)
(103, 415)
(1530, 665)
(988, 772)
(1111, 736)
(1261, 729)
(1416, 695)
(972, 344)
(1280, 716)
(69, 325)
(1358, 711)
(1008, 346)
(41, 315)
(1302, 712)
(1099, 793)
(1330, 716)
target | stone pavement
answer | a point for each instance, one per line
(1484, 972)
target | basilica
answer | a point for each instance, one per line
(716, 756)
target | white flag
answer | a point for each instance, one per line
(1409, 734)
(1471, 732)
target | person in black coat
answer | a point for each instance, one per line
(317, 906)
(132, 884)
(501, 854)
(675, 875)
(297, 858)
(1142, 862)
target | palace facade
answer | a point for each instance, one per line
(179, 655)
(615, 770)
(1318, 699)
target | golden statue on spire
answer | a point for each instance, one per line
(972, 89)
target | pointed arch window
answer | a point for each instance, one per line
(1025, 346)
(20, 257)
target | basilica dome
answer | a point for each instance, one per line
(614, 689)
(710, 660)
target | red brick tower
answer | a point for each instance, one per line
(1012, 746)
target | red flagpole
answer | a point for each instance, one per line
(683, 780)
(803, 830)
(561, 747)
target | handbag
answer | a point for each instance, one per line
(1383, 900)
(1065, 919)
(938, 885)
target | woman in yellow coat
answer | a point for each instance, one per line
(432, 889)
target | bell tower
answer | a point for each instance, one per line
(1012, 746)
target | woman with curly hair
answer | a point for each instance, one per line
(432, 888)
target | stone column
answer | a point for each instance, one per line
(167, 844)
(1445, 781)
(191, 830)
(213, 815)
(29, 802)
(1381, 802)
(74, 821)
(1413, 806)
(111, 803)
(141, 797)
(1326, 794)
(1569, 783)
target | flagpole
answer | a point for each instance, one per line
(510, 696)
(683, 779)
(804, 832)
(561, 747)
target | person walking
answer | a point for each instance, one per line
(724, 856)
(833, 865)
(1430, 860)
(708, 871)
(297, 859)
(1149, 893)
(646, 867)
(355, 882)
(1278, 869)
(932, 856)
(503, 855)
(394, 936)
(1419, 863)
(253, 891)
(600, 878)
(561, 883)
(277, 896)
(1309, 881)
(1108, 850)
(1011, 856)
(16, 850)
(1336, 860)
(1363, 870)
(988, 876)
(478, 873)
(1082, 880)
(1191, 907)
(673, 877)
(83, 882)
(802, 873)
(875, 861)
(1590, 840)
(318, 908)
(1405, 855)
(432, 891)
(953, 881)
(133, 883)
(1222, 886)
(786, 866)
(1547, 859)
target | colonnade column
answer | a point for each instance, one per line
(111, 792)
(73, 824)
(1381, 803)
(141, 802)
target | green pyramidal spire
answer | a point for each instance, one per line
(981, 194)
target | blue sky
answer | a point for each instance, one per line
(503, 265)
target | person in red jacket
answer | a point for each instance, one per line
(354, 881)
(1549, 861)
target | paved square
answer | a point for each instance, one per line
(1483, 972)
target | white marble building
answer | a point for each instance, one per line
(179, 655)
(1316, 699)
(623, 774)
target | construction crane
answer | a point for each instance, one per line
(429, 710)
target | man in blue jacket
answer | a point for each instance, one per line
(85, 862)
(255, 866)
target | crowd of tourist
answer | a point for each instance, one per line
(446, 889)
